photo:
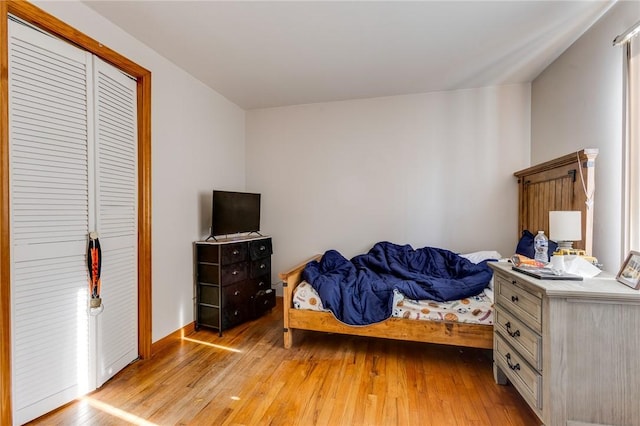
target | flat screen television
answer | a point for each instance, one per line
(234, 212)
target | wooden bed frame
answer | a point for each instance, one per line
(561, 184)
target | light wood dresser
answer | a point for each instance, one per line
(570, 348)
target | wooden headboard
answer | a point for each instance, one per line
(565, 183)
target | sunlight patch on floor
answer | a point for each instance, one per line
(213, 345)
(116, 412)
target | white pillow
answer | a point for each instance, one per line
(479, 256)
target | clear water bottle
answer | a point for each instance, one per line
(541, 246)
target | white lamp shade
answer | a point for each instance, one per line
(565, 225)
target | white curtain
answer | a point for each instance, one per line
(631, 148)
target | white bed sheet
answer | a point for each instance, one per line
(475, 310)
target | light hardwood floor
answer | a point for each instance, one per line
(246, 377)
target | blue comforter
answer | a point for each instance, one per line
(360, 291)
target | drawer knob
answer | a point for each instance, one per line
(512, 333)
(263, 266)
(261, 284)
(262, 248)
(514, 367)
(514, 299)
(236, 252)
(236, 293)
(235, 273)
(513, 282)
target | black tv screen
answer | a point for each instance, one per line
(235, 212)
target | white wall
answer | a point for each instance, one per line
(432, 169)
(577, 103)
(197, 144)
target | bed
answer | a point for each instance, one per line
(564, 183)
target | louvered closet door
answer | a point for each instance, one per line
(116, 208)
(72, 171)
(49, 221)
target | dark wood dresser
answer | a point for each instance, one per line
(232, 281)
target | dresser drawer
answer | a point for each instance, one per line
(260, 249)
(517, 299)
(233, 273)
(263, 301)
(208, 273)
(232, 253)
(259, 284)
(209, 316)
(234, 316)
(236, 295)
(228, 274)
(260, 267)
(525, 378)
(207, 253)
(527, 342)
(209, 294)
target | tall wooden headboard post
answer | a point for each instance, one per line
(565, 183)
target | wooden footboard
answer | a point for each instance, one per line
(441, 332)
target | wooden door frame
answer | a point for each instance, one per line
(36, 16)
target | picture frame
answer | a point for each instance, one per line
(629, 273)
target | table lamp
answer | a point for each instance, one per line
(565, 227)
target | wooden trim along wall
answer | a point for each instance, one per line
(5, 296)
(179, 334)
(36, 16)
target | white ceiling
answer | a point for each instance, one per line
(266, 53)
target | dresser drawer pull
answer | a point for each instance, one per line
(236, 252)
(235, 273)
(263, 266)
(263, 248)
(512, 333)
(236, 293)
(515, 367)
(513, 282)
(261, 284)
(514, 299)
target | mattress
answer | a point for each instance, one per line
(473, 310)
